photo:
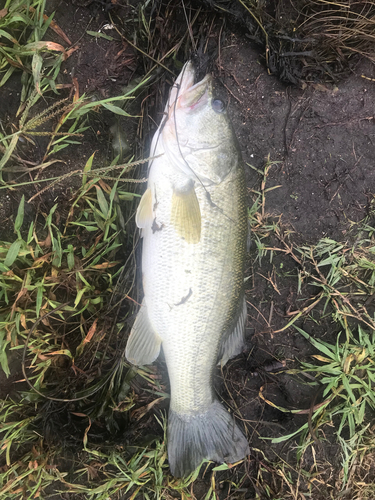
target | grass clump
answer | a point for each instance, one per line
(76, 112)
(318, 40)
(338, 280)
(23, 25)
(55, 285)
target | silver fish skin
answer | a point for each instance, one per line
(193, 219)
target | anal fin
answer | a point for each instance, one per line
(233, 341)
(143, 345)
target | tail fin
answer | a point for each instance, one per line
(212, 435)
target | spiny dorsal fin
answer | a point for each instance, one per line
(186, 215)
(144, 211)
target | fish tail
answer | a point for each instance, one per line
(212, 435)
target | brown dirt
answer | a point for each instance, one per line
(323, 137)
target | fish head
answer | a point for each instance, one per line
(197, 135)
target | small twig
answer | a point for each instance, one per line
(272, 283)
(140, 50)
(302, 312)
(231, 93)
(367, 78)
(289, 147)
(347, 122)
(252, 305)
(189, 27)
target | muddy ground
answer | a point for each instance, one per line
(323, 137)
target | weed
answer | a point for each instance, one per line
(343, 371)
(76, 111)
(24, 25)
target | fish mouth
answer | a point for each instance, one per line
(189, 95)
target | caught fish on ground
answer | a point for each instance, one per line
(193, 219)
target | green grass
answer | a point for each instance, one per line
(75, 112)
(341, 276)
(23, 27)
(67, 299)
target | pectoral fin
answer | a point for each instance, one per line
(143, 345)
(144, 215)
(186, 214)
(233, 340)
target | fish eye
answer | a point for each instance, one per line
(218, 106)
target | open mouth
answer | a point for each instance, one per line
(187, 94)
(197, 94)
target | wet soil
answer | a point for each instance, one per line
(321, 135)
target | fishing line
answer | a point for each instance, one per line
(162, 125)
(165, 119)
(207, 194)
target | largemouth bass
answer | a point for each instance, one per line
(194, 225)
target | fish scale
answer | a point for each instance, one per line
(193, 219)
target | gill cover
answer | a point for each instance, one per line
(197, 136)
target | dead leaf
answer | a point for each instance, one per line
(98, 238)
(9, 273)
(21, 294)
(63, 86)
(42, 357)
(45, 321)
(35, 46)
(76, 89)
(105, 186)
(3, 13)
(16, 64)
(70, 51)
(31, 250)
(47, 242)
(90, 332)
(105, 265)
(92, 473)
(43, 258)
(9, 328)
(56, 28)
(141, 412)
(33, 464)
(320, 87)
(85, 438)
(23, 320)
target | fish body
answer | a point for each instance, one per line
(194, 225)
